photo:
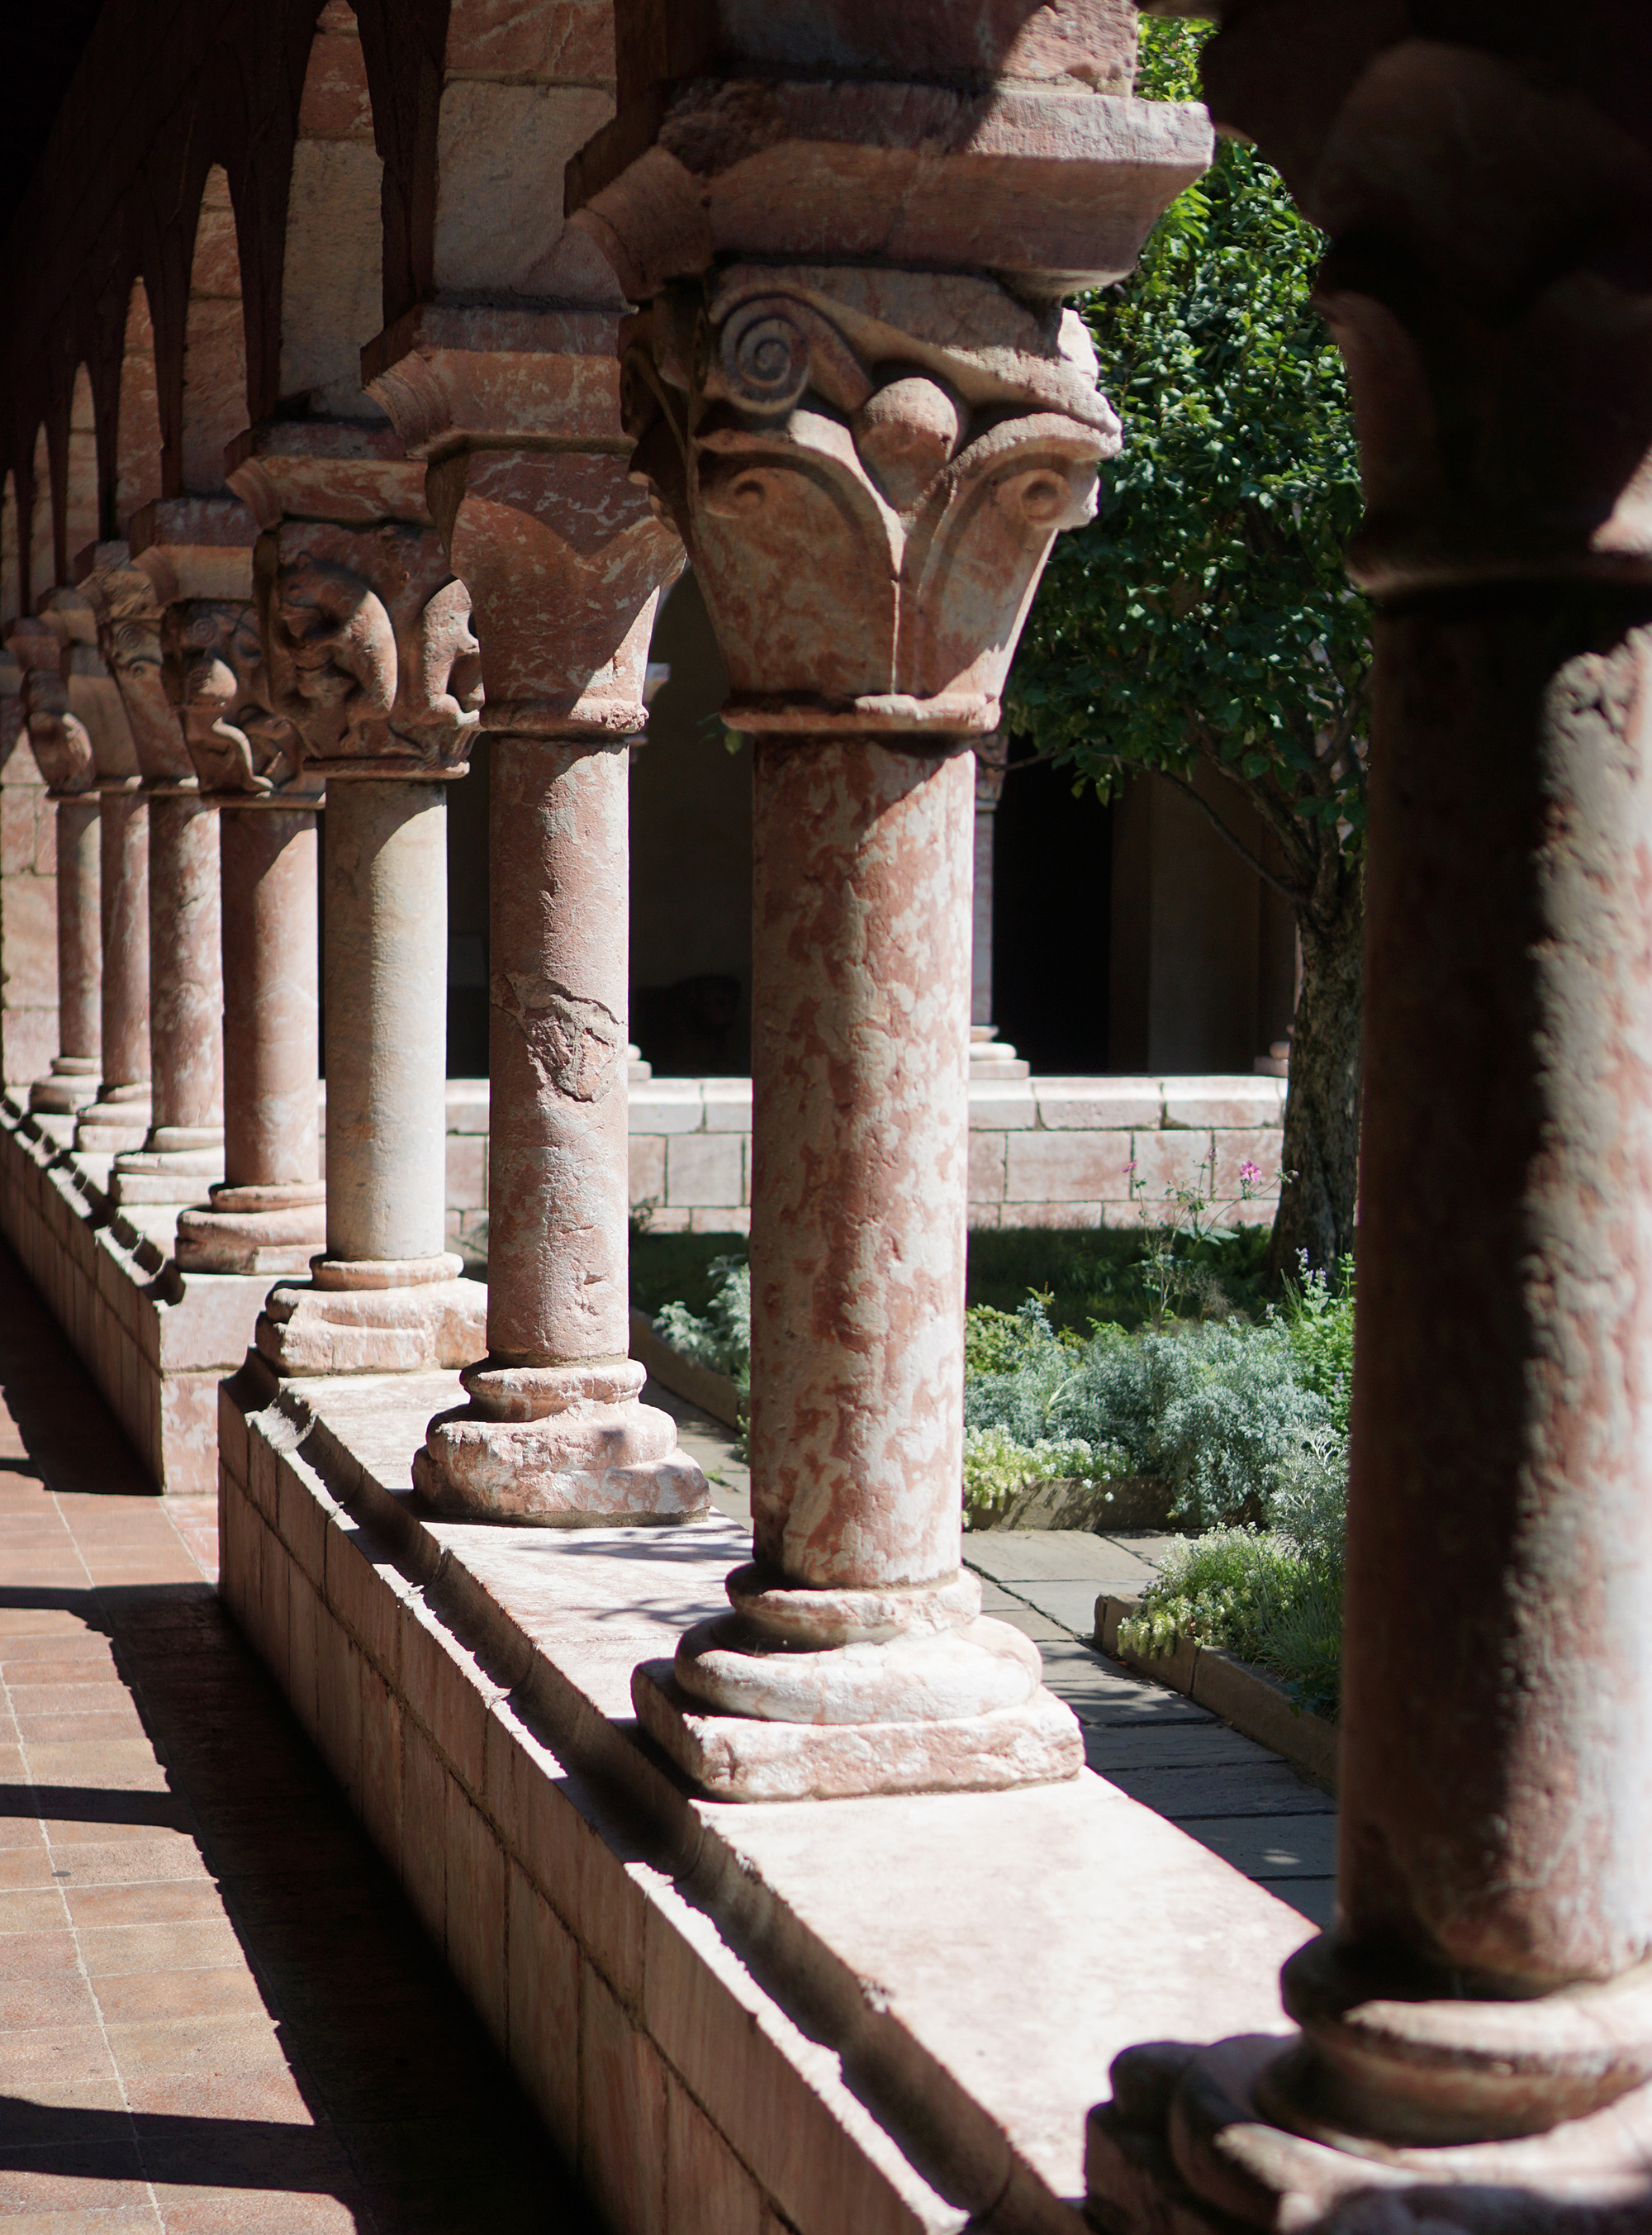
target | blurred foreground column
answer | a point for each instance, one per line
(1476, 2042)
(867, 448)
(564, 559)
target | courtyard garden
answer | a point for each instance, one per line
(1141, 1359)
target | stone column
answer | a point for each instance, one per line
(120, 1117)
(990, 1058)
(373, 661)
(563, 557)
(1477, 2026)
(868, 466)
(63, 753)
(266, 1214)
(27, 898)
(183, 1151)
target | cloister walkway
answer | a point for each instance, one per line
(217, 2012)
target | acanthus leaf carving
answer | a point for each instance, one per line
(869, 509)
(129, 616)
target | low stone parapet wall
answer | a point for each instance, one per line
(1076, 1152)
(857, 2018)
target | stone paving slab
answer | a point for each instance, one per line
(217, 2014)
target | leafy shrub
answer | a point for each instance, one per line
(1318, 1316)
(1274, 1596)
(1216, 1411)
(995, 1467)
(720, 1337)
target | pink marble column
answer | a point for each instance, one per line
(120, 1117)
(563, 558)
(62, 751)
(372, 659)
(267, 1213)
(183, 1150)
(554, 1431)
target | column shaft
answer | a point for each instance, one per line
(557, 1229)
(386, 972)
(124, 896)
(186, 993)
(860, 1003)
(79, 947)
(271, 999)
(1496, 1815)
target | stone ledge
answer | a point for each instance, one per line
(1252, 1701)
(877, 2015)
(156, 1342)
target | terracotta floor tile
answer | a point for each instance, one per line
(91, 1758)
(133, 1997)
(157, 1901)
(61, 1999)
(72, 2176)
(51, 1694)
(37, 1909)
(53, 2054)
(26, 1865)
(127, 1862)
(40, 1954)
(254, 2212)
(115, 2222)
(203, 1944)
(78, 1725)
(204, 2045)
(44, 2113)
(18, 1831)
(268, 2098)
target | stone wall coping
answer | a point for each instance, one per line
(959, 1951)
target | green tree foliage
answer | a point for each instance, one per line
(1206, 617)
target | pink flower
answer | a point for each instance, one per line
(1249, 1176)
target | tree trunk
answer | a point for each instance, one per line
(1320, 1152)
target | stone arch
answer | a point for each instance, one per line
(138, 440)
(215, 405)
(331, 280)
(80, 494)
(42, 537)
(11, 555)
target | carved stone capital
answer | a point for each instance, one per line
(561, 551)
(372, 657)
(198, 554)
(869, 468)
(129, 618)
(1488, 192)
(62, 747)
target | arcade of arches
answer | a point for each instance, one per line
(369, 376)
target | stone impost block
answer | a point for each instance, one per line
(703, 1171)
(1067, 1167)
(1090, 1105)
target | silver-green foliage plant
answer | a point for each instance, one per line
(1272, 1596)
(721, 1339)
(997, 1467)
(1218, 1411)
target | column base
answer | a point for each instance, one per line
(992, 1059)
(559, 1448)
(406, 1315)
(118, 1119)
(732, 1757)
(177, 1163)
(819, 1694)
(254, 1229)
(71, 1084)
(1189, 2142)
